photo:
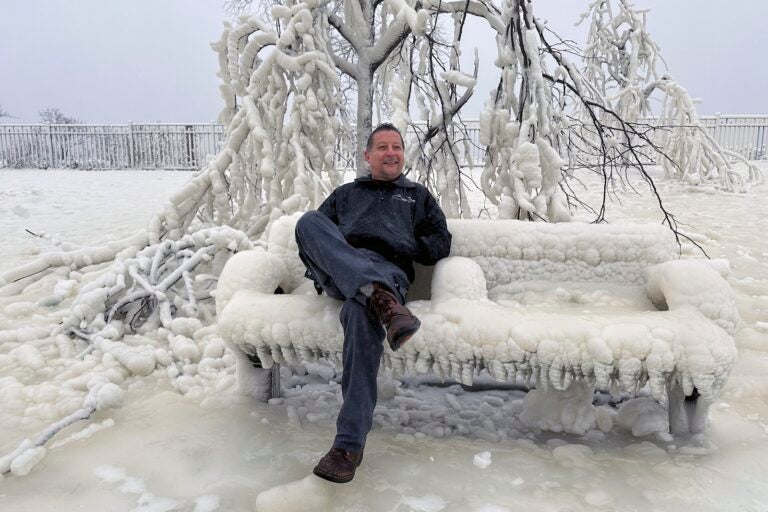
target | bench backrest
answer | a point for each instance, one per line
(511, 250)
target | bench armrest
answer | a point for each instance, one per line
(255, 270)
(679, 283)
(457, 277)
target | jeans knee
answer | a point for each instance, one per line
(352, 310)
(356, 315)
(308, 220)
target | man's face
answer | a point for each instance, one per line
(386, 157)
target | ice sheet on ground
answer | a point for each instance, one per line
(188, 438)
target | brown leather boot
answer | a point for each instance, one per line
(338, 465)
(397, 319)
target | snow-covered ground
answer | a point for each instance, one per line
(198, 446)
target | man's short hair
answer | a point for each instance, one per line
(383, 127)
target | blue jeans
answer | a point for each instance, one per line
(341, 270)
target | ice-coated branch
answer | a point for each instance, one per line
(142, 289)
(695, 157)
(345, 31)
(76, 259)
(485, 10)
(102, 396)
(620, 69)
(394, 36)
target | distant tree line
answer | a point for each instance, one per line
(48, 115)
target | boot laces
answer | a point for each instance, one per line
(383, 305)
(349, 456)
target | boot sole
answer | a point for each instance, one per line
(333, 478)
(404, 336)
(337, 479)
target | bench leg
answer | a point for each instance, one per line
(254, 380)
(274, 376)
(276, 391)
(687, 414)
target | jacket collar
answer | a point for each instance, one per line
(401, 181)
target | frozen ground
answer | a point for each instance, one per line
(203, 448)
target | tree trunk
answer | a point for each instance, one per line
(364, 88)
(364, 118)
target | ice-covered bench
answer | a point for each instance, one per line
(532, 303)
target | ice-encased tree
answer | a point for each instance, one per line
(286, 84)
(404, 59)
(621, 60)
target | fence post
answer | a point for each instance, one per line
(718, 131)
(49, 140)
(131, 160)
(214, 145)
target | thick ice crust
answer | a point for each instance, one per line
(511, 250)
(684, 344)
(460, 337)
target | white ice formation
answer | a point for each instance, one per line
(482, 460)
(102, 395)
(621, 62)
(309, 493)
(661, 322)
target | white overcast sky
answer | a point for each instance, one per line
(111, 61)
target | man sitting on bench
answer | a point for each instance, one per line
(359, 247)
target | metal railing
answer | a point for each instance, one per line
(186, 146)
(746, 135)
(87, 146)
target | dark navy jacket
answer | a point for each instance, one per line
(398, 219)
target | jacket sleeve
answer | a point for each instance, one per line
(432, 235)
(328, 208)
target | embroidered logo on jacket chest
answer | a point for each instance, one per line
(404, 199)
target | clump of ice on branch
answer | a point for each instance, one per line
(18, 309)
(139, 360)
(102, 395)
(458, 78)
(108, 396)
(280, 11)
(28, 459)
(416, 20)
(528, 165)
(400, 95)
(536, 80)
